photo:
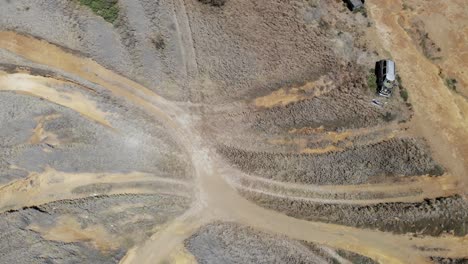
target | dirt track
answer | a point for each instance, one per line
(200, 172)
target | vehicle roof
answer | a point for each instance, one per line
(356, 3)
(390, 74)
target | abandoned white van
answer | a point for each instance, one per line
(386, 77)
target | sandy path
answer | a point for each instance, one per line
(409, 198)
(167, 240)
(55, 57)
(221, 202)
(47, 88)
(408, 189)
(446, 182)
(217, 200)
(52, 185)
(440, 116)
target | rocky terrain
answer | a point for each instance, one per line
(230, 131)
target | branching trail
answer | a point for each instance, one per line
(405, 184)
(46, 88)
(167, 239)
(216, 197)
(411, 189)
(51, 185)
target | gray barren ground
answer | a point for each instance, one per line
(233, 243)
(217, 131)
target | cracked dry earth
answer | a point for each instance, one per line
(248, 137)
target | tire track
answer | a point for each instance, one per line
(412, 189)
(52, 185)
